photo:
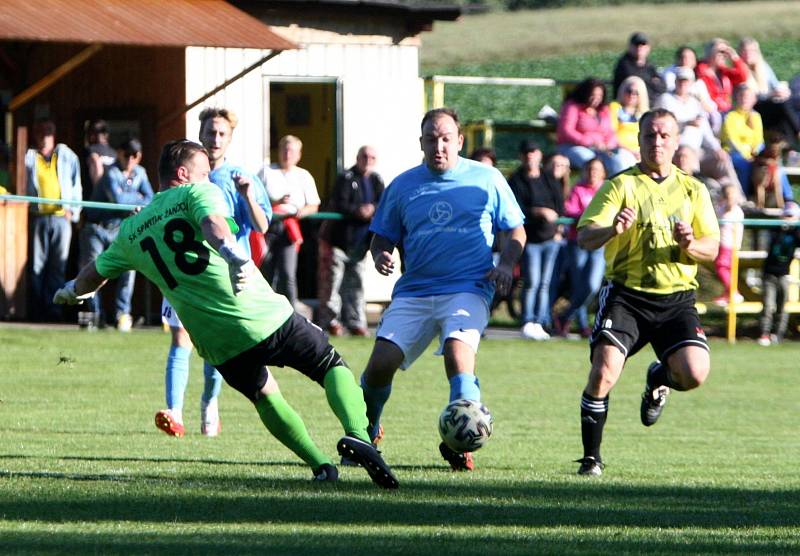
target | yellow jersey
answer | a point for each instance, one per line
(646, 257)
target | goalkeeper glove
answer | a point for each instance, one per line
(67, 296)
(240, 265)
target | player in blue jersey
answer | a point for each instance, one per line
(247, 203)
(443, 214)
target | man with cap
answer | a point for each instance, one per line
(542, 202)
(97, 155)
(634, 62)
(695, 129)
(124, 182)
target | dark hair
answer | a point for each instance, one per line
(484, 152)
(439, 112)
(96, 126)
(656, 113)
(44, 127)
(131, 147)
(176, 154)
(681, 50)
(584, 90)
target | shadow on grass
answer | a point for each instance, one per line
(589, 516)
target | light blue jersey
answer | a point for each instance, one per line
(222, 177)
(445, 225)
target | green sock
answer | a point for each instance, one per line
(287, 426)
(347, 402)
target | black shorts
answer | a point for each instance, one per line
(630, 319)
(297, 343)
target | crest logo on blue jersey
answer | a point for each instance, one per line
(440, 213)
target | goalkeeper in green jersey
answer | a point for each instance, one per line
(184, 245)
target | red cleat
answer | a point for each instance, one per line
(167, 423)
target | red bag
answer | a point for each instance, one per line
(258, 247)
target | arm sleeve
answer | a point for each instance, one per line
(387, 221)
(567, 126)
(603, 207)
(206, 200)
(112, 262)
(508, 214)
(705, 221)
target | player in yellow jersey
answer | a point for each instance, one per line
(656, 223)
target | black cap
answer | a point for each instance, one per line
(639, 38)
(528, 146)
(130, 147)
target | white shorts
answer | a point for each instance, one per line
(412, 322)
(169, 315)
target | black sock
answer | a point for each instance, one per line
(659, 376)
(593, 419)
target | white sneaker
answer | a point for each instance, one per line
(124, 323)
(534, 331)
(210, 424)
(764, 340)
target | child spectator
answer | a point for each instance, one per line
(775, 280)
(730, 234)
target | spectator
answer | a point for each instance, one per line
(98, 154)
(776, 112)
(634, 62)
(53, 172)
(687, 159)
(685, 57)
(541, 202)
(557, 168)
(775, 281)
(742, 135)
(721, 70)
(124, 182)
(293, 192)
(485, 155)
(586, 267)
(696, 131)
(770, 184)
(729, 212)
(632, 101)
(355, 194)
(584, 129)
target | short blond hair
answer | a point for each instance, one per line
(224, 113)
(287, 139)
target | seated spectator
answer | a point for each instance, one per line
(742, 134)
(696, 131)
(541, 202)
(585, 267)
(584, 129)
(770, 184)
(685, 57)
(485, 155)
(721, 70)
(632, 101)
(634, 62)
(776, 112)
(124, 182)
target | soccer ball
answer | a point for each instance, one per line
(465, 425)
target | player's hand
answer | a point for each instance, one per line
(682, 233)
(384, 263)
(503, 277)
(242, 183)
(67, 296)
(624, 220)
(241, 267)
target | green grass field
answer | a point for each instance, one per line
(83, 469)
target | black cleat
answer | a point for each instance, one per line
(365, 455)
(326, 473)
(459, 462)
(653, 400)
(590, 467)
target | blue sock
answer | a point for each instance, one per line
(465, 386)
(375, 398)
(213, 382)
(177, 375)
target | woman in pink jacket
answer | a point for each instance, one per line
(584, 129)
(585, 267)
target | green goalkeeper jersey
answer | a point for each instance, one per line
(164, 242)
